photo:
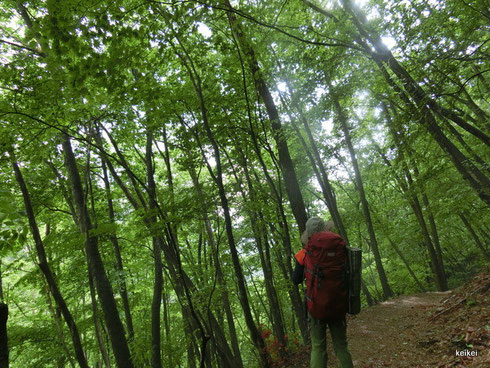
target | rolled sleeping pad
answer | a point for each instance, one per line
(354, 256)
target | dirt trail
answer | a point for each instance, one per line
(388, 335)
(419, 331)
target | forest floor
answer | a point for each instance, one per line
(420, 330)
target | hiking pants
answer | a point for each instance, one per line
(318, 333)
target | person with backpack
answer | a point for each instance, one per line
(322, 263)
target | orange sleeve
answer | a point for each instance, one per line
(300, 257)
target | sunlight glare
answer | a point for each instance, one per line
(204, 30)
(361, 3)
(327, 126)
(389, 42)
(281, 86)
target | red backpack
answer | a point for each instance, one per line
(325, 272)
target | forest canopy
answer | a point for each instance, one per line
(159, 160)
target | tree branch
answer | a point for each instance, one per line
(23, 47)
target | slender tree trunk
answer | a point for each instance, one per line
(435, 234)
(448, 114)
(56, 314)
(403, 258)
(417, 210)
(317, 164)
(260, 235)
(64, 191)
(254, 332)
(298, 307)
(285, 161)
(369, 298)
(156, 357)
(1, 283)
(135, 183)
(465, 145)
(196, 319)
(328, 193)
(166, 325)
(268, 261)
(103, 286)
(255, 335)
(166, 158)
(93, 298)
(387, 292)
(117, 254)
(433, 228)
(4, 349)
(219, 272)
(191, 356)
(475, 237)
(95, 317)
(46, 270)
(481, 115)
(407, 265)
(408, 188)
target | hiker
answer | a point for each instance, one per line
(327, 303)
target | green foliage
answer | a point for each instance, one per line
(13, 227)
(127, 68)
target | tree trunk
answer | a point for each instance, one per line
(166, 325)
(219, 272)
(285, 161)
(103, 286)
(259, 231)
(475, 237)
(387, 292)
(4, 349)
(56, 314)
(407, 265)
(1, 283)
(95, 317)
(217, 177)
(467, 147)
(293, 292)
(317, 165)
(448, 114)
(117, 254)
(404, 260)
(369, 298)
(256, 337)
(156, 356)
(64, 191)
(413, 200)
(328, 192)
(166, 158)
(46, 270)
(434, 233)
(298, 307)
